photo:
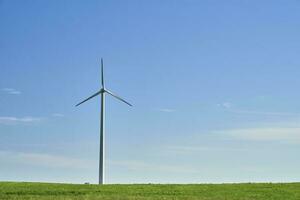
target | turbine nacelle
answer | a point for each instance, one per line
(102, 90)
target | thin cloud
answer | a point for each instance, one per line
(229, 107)
(253, 112)
(16, 120)
(225, 105)
(264, 134)
(286, 131)
(57, 115)
(187, 149)
(166, 110)
(192, 149)
(46, 160)
(11, 91)
(147, 167)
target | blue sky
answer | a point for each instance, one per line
(214, 86)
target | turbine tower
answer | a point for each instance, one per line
(102, 92)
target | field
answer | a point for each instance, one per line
(250, 191)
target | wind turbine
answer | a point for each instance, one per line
(102, 92)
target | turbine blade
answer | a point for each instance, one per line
(97, 93)
(102, 75)
(117, 97)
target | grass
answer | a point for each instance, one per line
(249, 191)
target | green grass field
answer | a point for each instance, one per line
(251, 191)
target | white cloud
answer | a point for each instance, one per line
(11, 91)
(46, 160)
(166, 110)
(16, 120)
(58, 115)
(278, 134)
